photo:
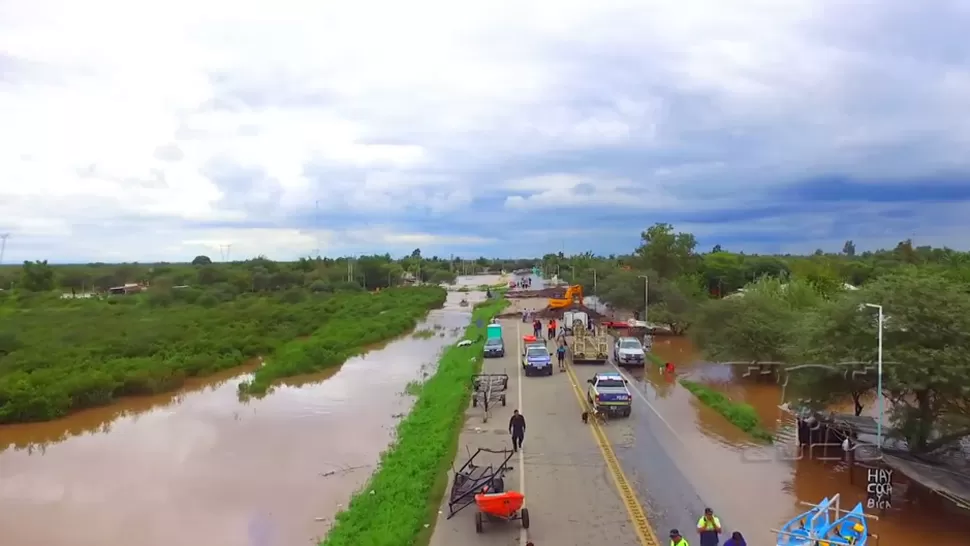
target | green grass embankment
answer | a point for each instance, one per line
(741, 415)
(62, 355)
(347, 331)
(657, 361)
(406, 491)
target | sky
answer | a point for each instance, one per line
(148, 131)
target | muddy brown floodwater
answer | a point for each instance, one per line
(201, 467)
(772, 487)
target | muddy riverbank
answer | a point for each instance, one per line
(773, 484)
(201, 466)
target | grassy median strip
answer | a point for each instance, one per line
(406, 491)
(744, 416)
(348, 328)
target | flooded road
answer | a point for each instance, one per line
(770, 483)
(202, 467)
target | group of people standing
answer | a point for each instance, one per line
(709, 531)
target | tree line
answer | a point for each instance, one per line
(682, 278)
(258, 274)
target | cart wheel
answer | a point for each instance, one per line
(525, 518)
(474, 402)
(503, 400)
(479, 522)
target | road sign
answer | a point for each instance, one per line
(879, 488)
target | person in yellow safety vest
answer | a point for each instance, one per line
(709, 527)
(676, 539)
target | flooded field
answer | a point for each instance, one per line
(772, 487)
(202, 467)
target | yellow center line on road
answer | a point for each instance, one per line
(645, 532)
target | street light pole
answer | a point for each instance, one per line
(594, 281)
(646, 296)
(879, 375)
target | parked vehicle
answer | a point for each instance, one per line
(608, 394)
(569, 317)
(494, 348)
(628, 351)
(536, 359)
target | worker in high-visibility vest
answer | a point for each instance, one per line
(709, 528)
(676, 539)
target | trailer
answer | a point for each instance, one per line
(589, 347)
(489, 389)
(472, 479)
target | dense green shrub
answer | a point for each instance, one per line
(57, 356)
(407, 488)
(373, 318)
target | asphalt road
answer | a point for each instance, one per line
(570, 494)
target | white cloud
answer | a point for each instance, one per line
(115, 113)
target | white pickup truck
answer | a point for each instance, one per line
(628, 351)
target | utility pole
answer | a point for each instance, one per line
(3, 245)
(879, 371)
(594, 282)
(646, 296)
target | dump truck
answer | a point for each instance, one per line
(588, 347)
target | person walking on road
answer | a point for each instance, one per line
(561, 355)
(537, 328)
(737, 539)
(551, 330)
(517, 429)
(676, 539)
(709, 528)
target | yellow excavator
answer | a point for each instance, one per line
(574, 295)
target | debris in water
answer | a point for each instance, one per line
(344, 470)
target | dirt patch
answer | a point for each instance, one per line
(558, 313)
(555, 292)
(548, 313)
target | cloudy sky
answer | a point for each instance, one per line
(161, 130)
